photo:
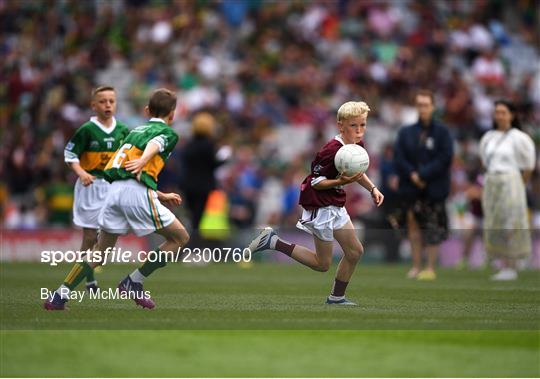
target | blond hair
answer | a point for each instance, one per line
(102, 89)
(352, 109)
(203, 124)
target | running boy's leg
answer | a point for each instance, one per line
(321, 258)
(352, 252)
(79, 271)
(176, 237)
(89, 238)
(318, 260)
(88, 242)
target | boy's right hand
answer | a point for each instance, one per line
(86, 178)
(170, 199)
(349, 179)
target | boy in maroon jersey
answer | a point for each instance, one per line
(322, 198)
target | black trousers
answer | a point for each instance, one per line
(196, 202)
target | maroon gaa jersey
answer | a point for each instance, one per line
(322, 168)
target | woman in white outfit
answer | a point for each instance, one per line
(508, 155)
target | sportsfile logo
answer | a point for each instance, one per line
(118, 255)
(114, 255)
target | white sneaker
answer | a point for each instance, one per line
(413, 273)
(505, 274)
(263, 241)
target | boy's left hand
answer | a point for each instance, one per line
(377, 197)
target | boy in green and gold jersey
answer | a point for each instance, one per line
(134, 203)
(87, 153)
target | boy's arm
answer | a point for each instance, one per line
(331, 183)
(135, 166)
(86, 178)
(171, 198)
(360, 178)
(376, 195)
(74, 148)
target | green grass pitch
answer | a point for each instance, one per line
(269, 320)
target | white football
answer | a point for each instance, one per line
(351, 159)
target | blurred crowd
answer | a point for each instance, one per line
(273, 74)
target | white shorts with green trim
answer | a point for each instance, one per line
(88, 202)
(322, 222)
(131, 206)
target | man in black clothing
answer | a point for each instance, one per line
(422, 157)
(200, 159)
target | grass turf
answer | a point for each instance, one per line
(223, 320)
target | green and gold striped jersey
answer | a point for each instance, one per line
(155, 130)
(93, 145)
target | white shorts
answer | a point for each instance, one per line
(88, 201)
(322, 222)
(131, 206)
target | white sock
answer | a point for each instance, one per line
(63, 291)
(273, 241)
(336, 298)
(136, 276)
(93, 282)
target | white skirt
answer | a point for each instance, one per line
(507, 232)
